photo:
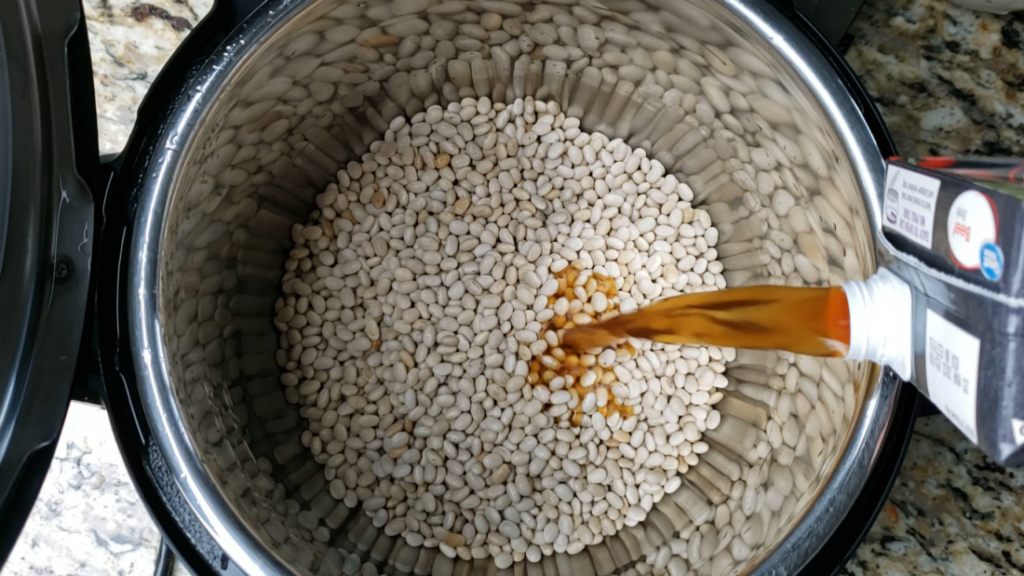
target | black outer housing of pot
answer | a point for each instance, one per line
(106, 352)
(106, 371)
(105, 355)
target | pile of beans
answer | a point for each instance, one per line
(485, 174)
(441, 274)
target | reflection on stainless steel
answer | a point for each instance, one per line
(214, 224)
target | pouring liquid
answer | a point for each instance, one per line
(813, 321)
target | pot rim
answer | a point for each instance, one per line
(161, 168)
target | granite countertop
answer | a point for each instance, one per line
(129, 42)
(947, 80)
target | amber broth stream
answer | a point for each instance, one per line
(814, 321)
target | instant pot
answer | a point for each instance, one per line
(106, 267)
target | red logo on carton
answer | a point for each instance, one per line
(972, 223)
(961, 229)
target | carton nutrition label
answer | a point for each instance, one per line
(951, 368)
(910, 201)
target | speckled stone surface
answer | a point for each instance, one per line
(951, 512)
(946, 80)
(130, 41)
(88, 520)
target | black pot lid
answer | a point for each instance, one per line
(46, 230)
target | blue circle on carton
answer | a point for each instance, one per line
(991, 261)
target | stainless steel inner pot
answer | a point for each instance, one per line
(256, 137)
